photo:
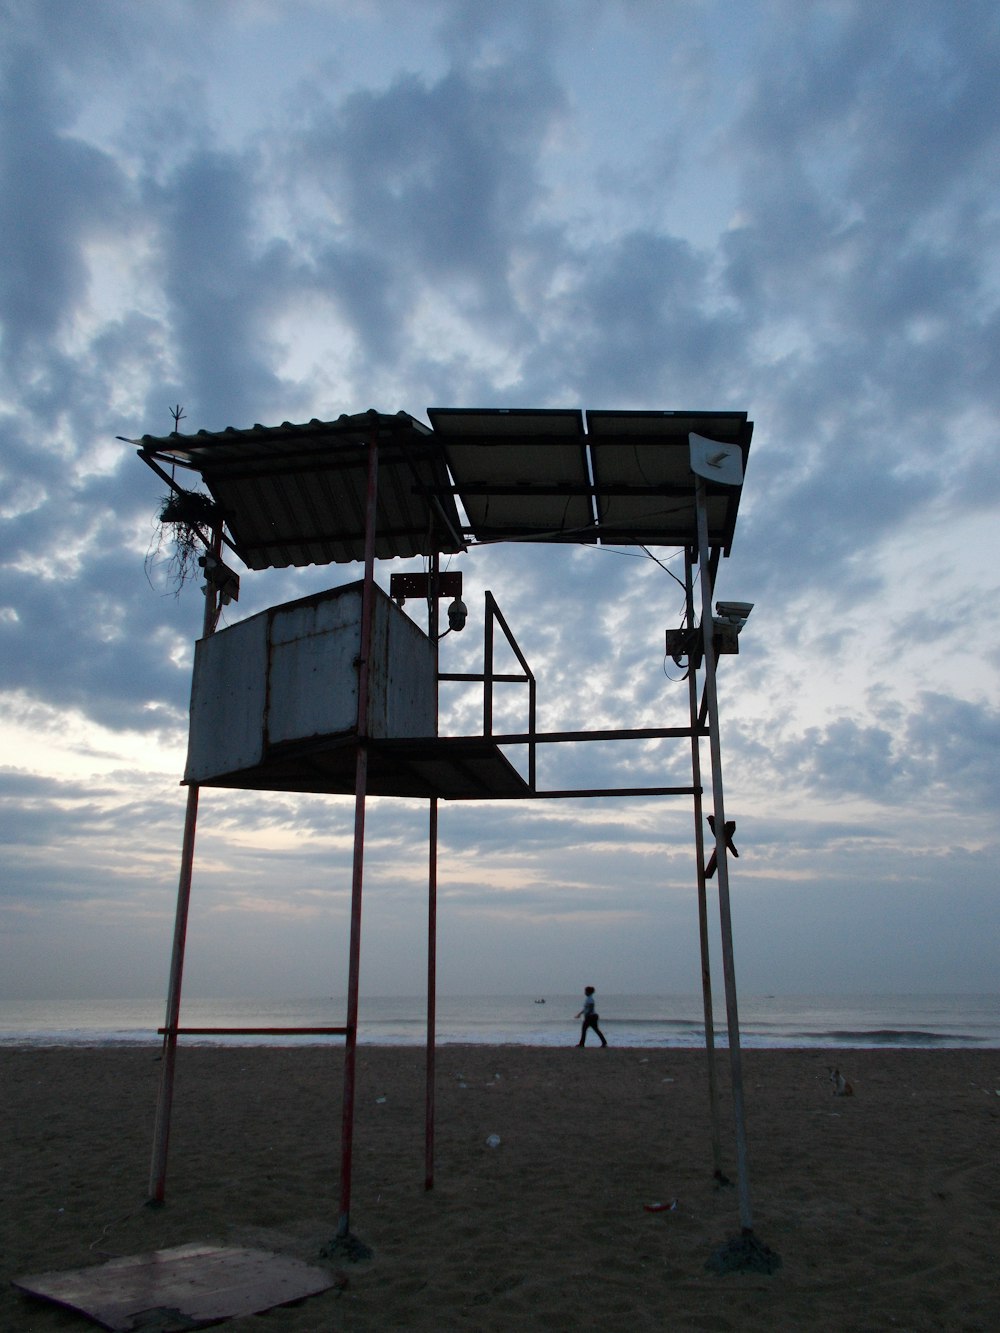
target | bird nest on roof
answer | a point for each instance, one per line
(184, 523)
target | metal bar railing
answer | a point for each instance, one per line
(253, 1032)
(493, 613)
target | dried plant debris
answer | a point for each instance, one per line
(185, 520)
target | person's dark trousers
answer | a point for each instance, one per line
(590, 1022)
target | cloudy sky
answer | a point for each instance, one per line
(268, 210)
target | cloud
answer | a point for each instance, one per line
(419, 198)
(223, 285)
(258, 217)
(863, 263)
(60, 194)
(956, 741)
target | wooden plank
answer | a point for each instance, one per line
(184, 1286)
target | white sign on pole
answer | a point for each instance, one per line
(715, 461)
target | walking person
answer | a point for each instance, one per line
(589, 1016)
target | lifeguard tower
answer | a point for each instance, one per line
(338, 692)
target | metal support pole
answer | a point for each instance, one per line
(433, 619)
(699, 843)
(431, 995)
(728, 966)
(357, 876)
(165, 1099)
(488, 666)
(164, 1105)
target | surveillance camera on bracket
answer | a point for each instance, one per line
(736, 613)
(725, 636)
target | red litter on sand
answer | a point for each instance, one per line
(660, 1207)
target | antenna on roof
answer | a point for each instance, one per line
(178, 415)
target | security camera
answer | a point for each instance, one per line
(458, 613)
(735, 612)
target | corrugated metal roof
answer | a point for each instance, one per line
(295, 494)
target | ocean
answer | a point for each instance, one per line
(771, 1021)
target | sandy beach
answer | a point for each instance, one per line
(883, 1207)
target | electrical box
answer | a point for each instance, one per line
(687, 644)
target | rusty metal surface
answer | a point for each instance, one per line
(180, 1288)
(288, 678)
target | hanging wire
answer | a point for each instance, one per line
(659, 562)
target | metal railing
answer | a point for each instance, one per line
(489, 678)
